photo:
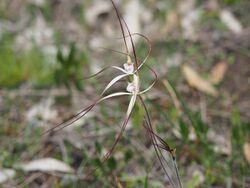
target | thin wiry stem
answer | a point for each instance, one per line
(177, 173)
(153, 139)
(149, 47)
(111, 150)
(120, 18)
(71, 120)
(166, 147)
(132, 42)
(97, 73)
(121, 26)
(108, 154)
(82, 113)
(116, 51)
(163, 146)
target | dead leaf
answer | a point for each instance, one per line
(196, 81)
(231, 21)
(6, 174)
(246, 149)
(171, 21)
(218, 72)
(46, 165)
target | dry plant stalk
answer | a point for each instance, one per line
(131, 70)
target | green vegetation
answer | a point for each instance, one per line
(17, 68)
(184, 117)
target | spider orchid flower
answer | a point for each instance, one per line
(131, 71)
(133, 90)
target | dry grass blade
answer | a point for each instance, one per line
(173, 96)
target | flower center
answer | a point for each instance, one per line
(129, 67)
(131, 87)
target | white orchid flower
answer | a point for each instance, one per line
(129, 70)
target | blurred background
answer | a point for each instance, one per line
(200, 104)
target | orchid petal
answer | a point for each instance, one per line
(114, 95)
(121, 69)
(112, 82)
(104, 69)
(97, 73)
(143, 62)
(155, 79)
(131, 104)
(136, 82)
(84, 112)
(127, 117)
(145, 90)
(147, 41)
